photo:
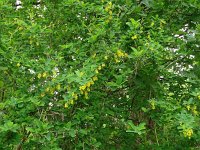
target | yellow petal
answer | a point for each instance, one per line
(66, 105)
(103, 65)
(88, 84)
(96, 71)
(39, 75)
(94, 78)
(58, 87)
(44, 74)
(18, 64)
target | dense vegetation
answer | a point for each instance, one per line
(97, 74)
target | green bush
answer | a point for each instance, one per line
(117, 74)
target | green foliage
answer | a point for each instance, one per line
(117, 74)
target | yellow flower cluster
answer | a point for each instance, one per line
(51, 90)
(188, 133)
(134, 37)
(39, 75)
(94, 78)
(106, 57)
(100, 67)
(194, 110)
(71, 101)
(108, 9)
(188, 107)
(120, 54)
(47, 89)
(84, 89)
(152, 102)
(44, 75)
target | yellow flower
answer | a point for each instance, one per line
(99, 68)
(117, 60)
(195, 112)
(120, 53)
(72, 101)
(88, 84)
(88, 89)
(86, 95)
(188, 107)
(52, 91)
(103, 65)
(110, 5)
(58, 87)
(152, 104)
(75, 96)
(39, 75)
(188, 133)
(94, 78)
(47, 89)
(106, 57)
(81, 74)
(134, 37)
(82, 87)
(44, 74)
(152, 24)
(66, 105)
(18, 64)
(96, 71)
(91, 82)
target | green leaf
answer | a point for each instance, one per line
(72, 133)
(3, 68)
(9, 126)
(1, 84)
